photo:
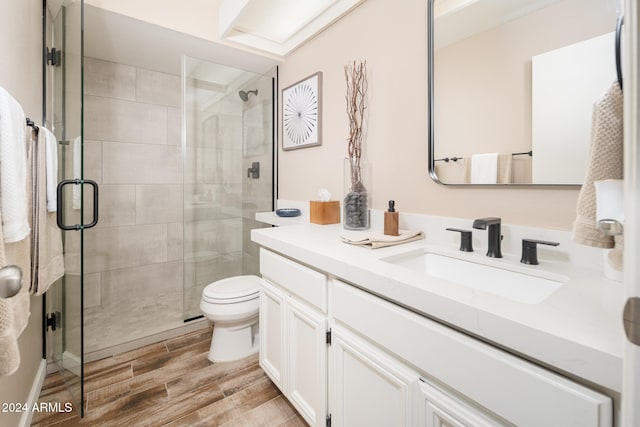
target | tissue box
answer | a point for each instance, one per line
(324, 212)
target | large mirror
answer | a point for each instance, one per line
(512, 85)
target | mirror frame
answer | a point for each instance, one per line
(431, 121)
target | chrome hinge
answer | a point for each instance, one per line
(631, 320)
(328, 337)
(328, 419)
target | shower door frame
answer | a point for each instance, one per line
(55, 343)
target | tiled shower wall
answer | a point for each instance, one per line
(134, 269)
(133, 258)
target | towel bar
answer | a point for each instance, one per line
(35, 127)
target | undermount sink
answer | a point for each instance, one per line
(509, 284)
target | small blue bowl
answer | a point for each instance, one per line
(288, 212)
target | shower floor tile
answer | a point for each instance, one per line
(117, 322)
(172, 383)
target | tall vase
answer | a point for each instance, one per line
(357, 194)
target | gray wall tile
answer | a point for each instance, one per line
(175, 238)
(140, 281)
(117, 120)
(120, 247)
(109, 79)
(174, 126)
(158, 88)
(117, 205)
(158, 204)
(125, 163)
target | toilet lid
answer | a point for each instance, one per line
(233, 289)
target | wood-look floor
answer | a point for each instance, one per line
(172, 383)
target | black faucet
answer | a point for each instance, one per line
(495, 238)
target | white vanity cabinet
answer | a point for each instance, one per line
(293, 331)
(481, 385)
(435, 407)
(389, 366)
(366, 386)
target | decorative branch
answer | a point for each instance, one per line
(356, 77)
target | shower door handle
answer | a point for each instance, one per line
(60, 204)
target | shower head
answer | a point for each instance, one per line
(245, 95)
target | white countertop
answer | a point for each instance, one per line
(577, 330)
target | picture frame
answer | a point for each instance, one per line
(302, 113)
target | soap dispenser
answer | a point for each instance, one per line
(391, 220)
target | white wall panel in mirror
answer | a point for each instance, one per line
(566, 82)
(482, 85)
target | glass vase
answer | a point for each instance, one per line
(357, 194)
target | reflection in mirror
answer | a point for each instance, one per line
(512, 85)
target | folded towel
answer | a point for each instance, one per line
(13, 169)
(47, 259)
(77, 172)
(484, 168)
(605, 162)
(51, 168)
(379, 240)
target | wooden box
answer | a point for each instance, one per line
(324, 212)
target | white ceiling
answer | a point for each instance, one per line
(458, 19)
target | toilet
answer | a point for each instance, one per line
(232, 305)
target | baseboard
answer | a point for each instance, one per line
(34, 393)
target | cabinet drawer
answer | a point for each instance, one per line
(516, 390)
(307, 284)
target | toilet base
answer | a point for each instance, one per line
(234, 342)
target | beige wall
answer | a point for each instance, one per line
(391, 36)
(21, 75)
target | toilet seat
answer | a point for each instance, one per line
(232, 290)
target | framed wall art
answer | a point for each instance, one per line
(302, 113)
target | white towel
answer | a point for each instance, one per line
(484, 168)
(378, 240)
(13, 169)
(47, 260)
(77, 172)
(51, 168)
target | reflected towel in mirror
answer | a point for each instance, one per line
(490, 168)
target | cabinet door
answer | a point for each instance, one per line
(272, 333)
(436, 407)
(367, 387)
(307, 361)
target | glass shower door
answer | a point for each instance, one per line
(64, 305)
(228, 172)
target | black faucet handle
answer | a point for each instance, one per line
(466, 244)
(530, 250)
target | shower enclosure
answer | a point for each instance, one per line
(177, 201)
(228, 173)
(183, 152)
(170, 142)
